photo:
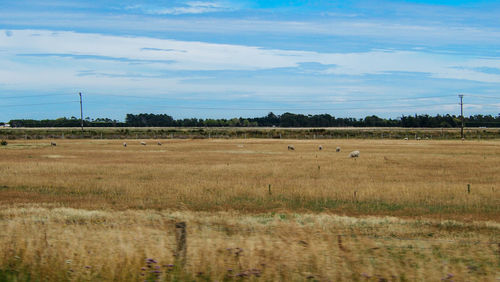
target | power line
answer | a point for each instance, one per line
(295, 109)
(38, 104)
(288, 100)
(390, 99)
(283, 108)
(485, 97)
(230, 108)
(31, 96)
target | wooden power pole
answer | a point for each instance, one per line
(81, 110)
(461, 116)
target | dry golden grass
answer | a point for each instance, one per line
(400, 212)
(403, 178)
(58, 244)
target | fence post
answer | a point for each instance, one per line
(339, 242)
(180, 238)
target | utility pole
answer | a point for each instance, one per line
(461, 115)
(81, 110)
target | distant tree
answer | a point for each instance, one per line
(234, 122)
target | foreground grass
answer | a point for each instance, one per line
(57, 244)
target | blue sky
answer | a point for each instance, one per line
(224, 58)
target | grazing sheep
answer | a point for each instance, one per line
(159, 143)
(143, 143)
(291, 147)
(320, 147)
(406, 138)
(418, 138)
(337, 149)
(354, 154)
(124, 144)
(53, 144)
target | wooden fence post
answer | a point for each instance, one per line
(180, 238)
(339, 242)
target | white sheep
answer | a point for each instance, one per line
(291, 147)
(337, 149)
(320, 147)
(354, 154)
(143, 143)
(406, 138)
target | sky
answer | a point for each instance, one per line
(226, 58)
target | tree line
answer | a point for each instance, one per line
(270, 120)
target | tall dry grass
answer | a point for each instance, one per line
(64, 244)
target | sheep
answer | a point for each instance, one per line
(159, 143)
(320, 147)
(124, 144)
(406, 138)
(354, 154)
(418, 138)
(53, 144)
(337, 149)
(291, 147)
(143, 143)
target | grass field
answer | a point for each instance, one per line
(403, 211)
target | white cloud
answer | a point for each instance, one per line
(435, 65)
(138, 63)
